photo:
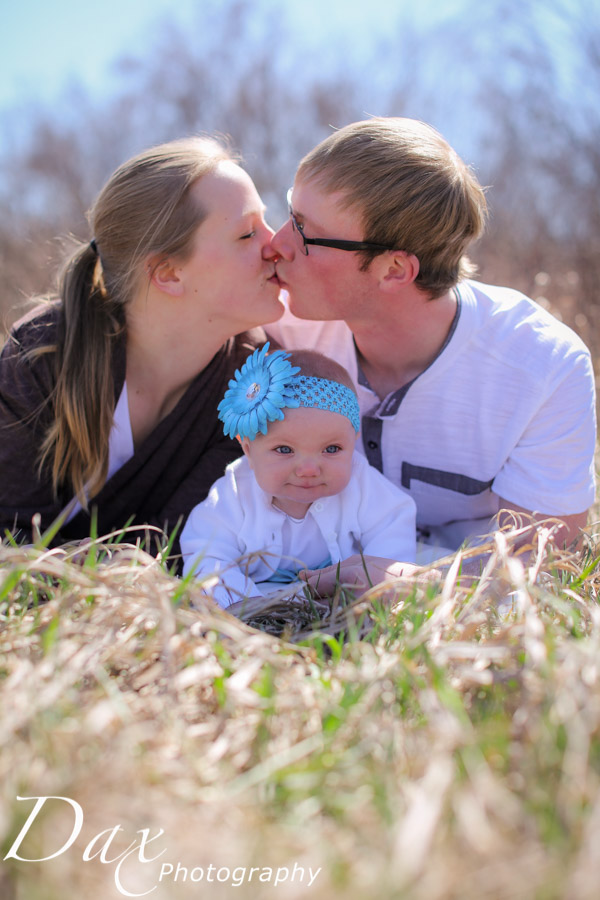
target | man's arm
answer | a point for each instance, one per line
(362, 572)
(358, 572)
(567, 535)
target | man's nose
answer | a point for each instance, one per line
(283, 242)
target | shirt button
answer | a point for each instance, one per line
(318, 507)
(373, 445)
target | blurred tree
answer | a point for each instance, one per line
(228, 77)
(541, 156)
(489, 77)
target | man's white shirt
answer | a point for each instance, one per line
(507, 409)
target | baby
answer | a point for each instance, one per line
(301, 497)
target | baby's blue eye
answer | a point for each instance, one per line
(283, 449)
(333, 448)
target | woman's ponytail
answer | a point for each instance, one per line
(84, 398)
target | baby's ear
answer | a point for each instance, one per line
(245, 444)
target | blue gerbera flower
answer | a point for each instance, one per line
(257, 394)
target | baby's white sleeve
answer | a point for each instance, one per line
(209, 546)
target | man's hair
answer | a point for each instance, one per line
(316, 365)
(412, 190)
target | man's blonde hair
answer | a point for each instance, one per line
(412, 191)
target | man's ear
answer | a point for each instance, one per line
(396, 269)
(165, 275)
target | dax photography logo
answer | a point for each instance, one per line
(101, 847)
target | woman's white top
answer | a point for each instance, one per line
(120, 446)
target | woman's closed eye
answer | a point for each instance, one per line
(245, 237)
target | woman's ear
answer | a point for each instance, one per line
(164, 274)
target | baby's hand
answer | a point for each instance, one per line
(358, 573)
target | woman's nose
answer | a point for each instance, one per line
(267, 235)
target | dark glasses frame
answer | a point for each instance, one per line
(351, 246)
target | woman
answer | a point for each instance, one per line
(108, 395)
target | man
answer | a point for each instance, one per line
(473, 398)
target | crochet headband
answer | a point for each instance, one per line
(265, 385)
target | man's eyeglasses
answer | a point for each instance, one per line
(326, 242)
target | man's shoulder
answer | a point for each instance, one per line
(508, 318)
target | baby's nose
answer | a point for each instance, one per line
(307, 467)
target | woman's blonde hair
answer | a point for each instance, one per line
(146, 208)
(411, 189)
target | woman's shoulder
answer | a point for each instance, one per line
(37, 328)
(27, 372)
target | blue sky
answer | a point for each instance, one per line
(46, 43)
(50, 44)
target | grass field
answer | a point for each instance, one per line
(439, 741)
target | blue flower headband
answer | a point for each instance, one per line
(265, 385)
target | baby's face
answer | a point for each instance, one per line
(306, 456)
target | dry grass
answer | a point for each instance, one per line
(438, 742)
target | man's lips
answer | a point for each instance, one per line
(278, 276)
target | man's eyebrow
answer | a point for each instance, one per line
(292, 208)
(313, 227)
(302, 219)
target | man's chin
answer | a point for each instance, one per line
(297, 309)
